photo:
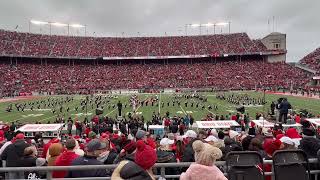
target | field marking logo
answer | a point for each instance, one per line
(132, 113)
(31, 115)
(38, 109)
(82, 114)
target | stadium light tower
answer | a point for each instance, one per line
(208, 25)
(57, 24)
(39, 23)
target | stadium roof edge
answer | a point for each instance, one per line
(125, 36)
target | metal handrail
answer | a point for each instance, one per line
(49, 169)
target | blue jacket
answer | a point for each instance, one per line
(85, 161)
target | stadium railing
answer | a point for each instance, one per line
(162, 166)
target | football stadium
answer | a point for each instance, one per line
(210, 106)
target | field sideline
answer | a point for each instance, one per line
(45, 115)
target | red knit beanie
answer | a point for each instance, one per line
(270, 146)
(130, 147)
(145, 156)
(293, 133)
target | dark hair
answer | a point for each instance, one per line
(180, 147)
(70, 144)
(220, 135)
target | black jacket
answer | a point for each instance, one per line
(310, 146)
(29, 161)
(85, 161)
(13, 153)
(284, 107)
(167, 157)
(111, 157)
(188, 154)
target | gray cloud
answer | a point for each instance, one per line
(155, 17)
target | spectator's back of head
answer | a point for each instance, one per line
(221, 135)
(70, 144)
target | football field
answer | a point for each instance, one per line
(44, 114)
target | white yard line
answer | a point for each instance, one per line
(110, 112)
(159, 103)
(183, 110)
(140, 103)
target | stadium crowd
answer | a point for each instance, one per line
(57, 78)
(312, 60)
(135, 149)
(37, 45)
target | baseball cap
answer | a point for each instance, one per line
(166, 141)
(211, 139)
(190, 134)
(94, 145)
(287, 140)
(20, 136)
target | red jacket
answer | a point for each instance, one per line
(65, 159)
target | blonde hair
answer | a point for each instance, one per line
(205, 153)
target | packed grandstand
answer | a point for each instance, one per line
(35, 63)
(222, 61)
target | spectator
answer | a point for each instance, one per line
(256, 145)
(309, 143)
(93, 150)
(13, 155)
(30, 160)
(165, 155)
(230, 145)
(145, 158)
(212, 140)
(45, 152)
(202, 135)
(54, 151)
(180, 148)
(66, 158)
(127, 153)
(108, 154)
(188, 154)
(288, 143)
(284, 108)
(204, 168)
(141, 135)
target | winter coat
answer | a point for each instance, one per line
(108, 157)
(167, 157)
(188, 154)
(85, 161)
(201, 172)
(65, 159)
(13, 153)
(29, 161)
(310, 146)
(130, 170)
(128, 157)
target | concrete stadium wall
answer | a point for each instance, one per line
(276, 58)
(275, 38)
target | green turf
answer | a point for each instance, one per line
(224, 107)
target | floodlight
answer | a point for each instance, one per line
(58, 24)
(222, 24)
(77, 25)
(208, 24)
(39, 22)
(195, 25)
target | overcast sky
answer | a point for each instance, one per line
(299, 19)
